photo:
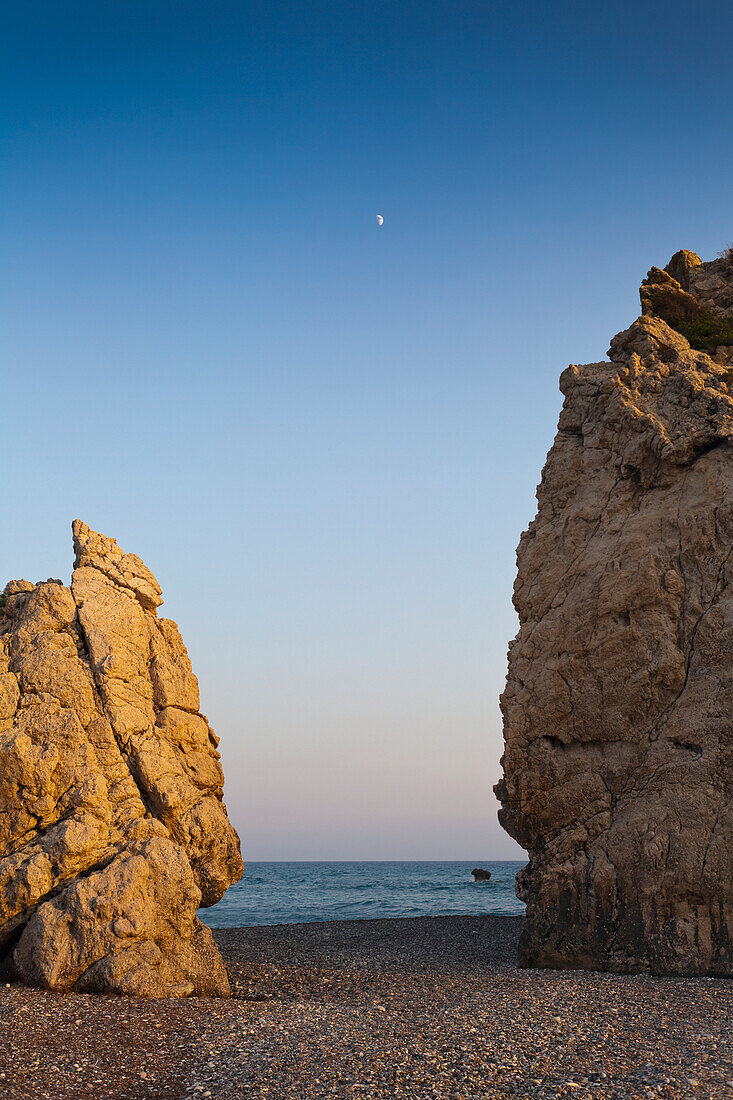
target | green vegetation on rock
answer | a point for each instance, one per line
(708, 330)
(705, 329)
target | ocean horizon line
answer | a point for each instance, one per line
(471, 860)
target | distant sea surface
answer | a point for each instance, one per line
(294, 893)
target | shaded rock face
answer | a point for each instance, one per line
(113, 830)
(618, 707)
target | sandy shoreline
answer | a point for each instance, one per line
(422, 1007)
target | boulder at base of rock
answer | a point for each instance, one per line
(618, 707)
(113, 829)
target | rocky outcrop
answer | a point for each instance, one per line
(695, 299)
(618, 763)
(113, 830)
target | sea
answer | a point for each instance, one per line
(297, 893)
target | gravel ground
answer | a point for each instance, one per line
(433, 1007)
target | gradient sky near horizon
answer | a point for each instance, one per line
(324, 437)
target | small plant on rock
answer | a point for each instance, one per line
(707, 330)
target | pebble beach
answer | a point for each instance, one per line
(423, 1007)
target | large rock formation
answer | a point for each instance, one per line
(618, 708)
(112, 826)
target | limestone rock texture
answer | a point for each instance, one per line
(113, 830)
(618, 706)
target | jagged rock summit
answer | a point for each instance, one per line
(113, 830)
(618, 707)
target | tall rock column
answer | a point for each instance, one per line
(113, 829)
(618, 707)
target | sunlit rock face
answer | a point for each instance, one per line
(113, 830)
(618, 707)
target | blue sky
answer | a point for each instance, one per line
(322, 436)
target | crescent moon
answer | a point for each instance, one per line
(380, 219)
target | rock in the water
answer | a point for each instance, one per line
(113, 829)
(618, 763)
(480, 874)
